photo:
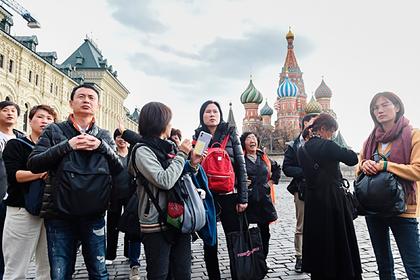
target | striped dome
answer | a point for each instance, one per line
(251, 94)
(323, 91)
(287, 89)
(313, 107)
(266, 110)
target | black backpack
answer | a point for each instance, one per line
(83, 181)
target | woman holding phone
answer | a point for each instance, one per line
(228, 205)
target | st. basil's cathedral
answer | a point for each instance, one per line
(290, 103)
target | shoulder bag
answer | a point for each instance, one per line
(380, 194)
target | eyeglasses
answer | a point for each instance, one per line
(251, 139)
(382, 106)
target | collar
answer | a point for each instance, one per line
(80, 129)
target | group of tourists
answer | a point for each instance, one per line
(83, 172)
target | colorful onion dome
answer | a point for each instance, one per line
(287, 88)
(251, 94)
(323, 91)
(313, 107)
(266, 110)
(290, 35)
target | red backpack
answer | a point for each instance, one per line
(219, 169)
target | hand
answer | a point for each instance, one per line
(248, 182)
(186, 146)
(43, 176)
(240, 207)
(84, 142)
(196, 159)
(270, 183)
(370, 167)
(121, 127)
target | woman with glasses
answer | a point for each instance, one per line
(263, 173)
(395, 139)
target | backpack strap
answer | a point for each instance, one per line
(224, 143)
(24, 142)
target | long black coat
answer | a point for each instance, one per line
(260, 204)
(329, 240)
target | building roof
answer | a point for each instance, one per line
(231, 117)
(323, 91)
(339, 139)
(251, 94)
(266, 110)
(313, 107)
(287, 88)
(87, 56)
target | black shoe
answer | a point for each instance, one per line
(298, 266)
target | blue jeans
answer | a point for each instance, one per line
(134, 253)
(406, 234)
(61, 238)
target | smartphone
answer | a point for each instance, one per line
(203, 142)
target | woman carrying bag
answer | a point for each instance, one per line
(394, 138)
(228, 205)
(263, 173)
(330, 249)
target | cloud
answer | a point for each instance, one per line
(140, 15)
(221, 58)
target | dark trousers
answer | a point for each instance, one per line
(230, 222)
(265, 236)
(112, 220)
(2, 218)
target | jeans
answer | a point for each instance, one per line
(61, 238)
(134, 253)
(406, 234)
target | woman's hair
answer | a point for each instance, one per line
(393, 98)
(203, 108)
(154, 118)
(324, 119)
(44, 107)
(176, 132)
(306, 118)
(245, 135)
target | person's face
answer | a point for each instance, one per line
(9, 115)
(211, 116)
(251, 143)
(40, 120)
(385, 111)
(167, 132)
(85, 102)
(308, 123)
(121, 143)
(326, 134)
(176, 139)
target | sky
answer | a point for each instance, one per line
(184, 52)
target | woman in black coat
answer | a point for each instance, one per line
(263, 173)
(330, 249)
(227, 205)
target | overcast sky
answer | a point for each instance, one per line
(183, 53)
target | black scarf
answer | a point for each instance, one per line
(161, 148)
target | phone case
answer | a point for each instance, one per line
(203, 142)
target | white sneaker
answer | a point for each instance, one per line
(108, 262)
(135, 273)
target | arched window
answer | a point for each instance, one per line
(7, 98)
(25, 118)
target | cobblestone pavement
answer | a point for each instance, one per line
(281, 255)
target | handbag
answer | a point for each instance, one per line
(380, 194)
(349, 199)
(129, 222)
(246, 253)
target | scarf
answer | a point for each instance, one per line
(400, 136)
(163, 149)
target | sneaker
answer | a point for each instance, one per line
(298, 266)
(108, 262)
(135, 273)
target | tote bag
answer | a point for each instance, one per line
(246, 253)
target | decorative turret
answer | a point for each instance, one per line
(287, 88)
(290, 35)
(323, 91)
(251, 94)
(313, 107)
(266, 110)
(231, 117)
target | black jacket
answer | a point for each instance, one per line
(234, 149)
(291, 167)
(52, 145)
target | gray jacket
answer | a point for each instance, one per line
(159, 179)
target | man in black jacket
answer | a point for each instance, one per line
(291, 168)
(82, 137)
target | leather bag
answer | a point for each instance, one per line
(379, 195)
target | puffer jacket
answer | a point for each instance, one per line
(50, 149)
(236, 154)
(291, 167)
